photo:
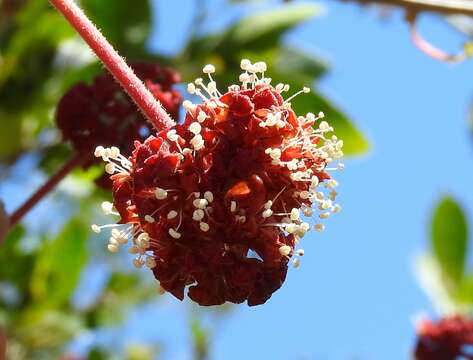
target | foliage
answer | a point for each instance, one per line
(444, 272)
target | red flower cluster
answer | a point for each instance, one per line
(216, 204)
(102, 114)
(448, 339)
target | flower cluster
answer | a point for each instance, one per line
(448, 339)
(102, 114)
(219, 203)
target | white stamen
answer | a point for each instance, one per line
(285, 250)
(174, 233)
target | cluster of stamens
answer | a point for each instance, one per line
(242, 174)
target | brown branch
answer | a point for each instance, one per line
(445, 7)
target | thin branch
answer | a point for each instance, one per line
(143, 98)
(18, 214)
(428, 48)
(445, 7)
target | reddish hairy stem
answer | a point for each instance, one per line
(135, 88)
(3, 345)
(76, 160)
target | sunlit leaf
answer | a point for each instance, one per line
(449, 238)
(58, 266)
(264, 29)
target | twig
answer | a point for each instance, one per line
(143, 98)
(445, 7)
(428, 48)
(18, 214)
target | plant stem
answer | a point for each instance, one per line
(446, 7)
(135, 88)
(76, 160)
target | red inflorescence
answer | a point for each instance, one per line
(448, 339)
(102, 114)
(215, 204)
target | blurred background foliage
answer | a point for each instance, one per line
(42, 274)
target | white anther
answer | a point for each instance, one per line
(99, 151)
(267, 213)
(107, 207)
(337, 208)
(188, 105)
(304, 194)
(191, 88)
(172, 214)
(110, 168)
(95, 228)
(332, 183)
(244, 78)
(209, 196)
(268, 204)
(174, 233)
(304, 227)
(319, 227)
(197, 142)
(160, 194)
(195, 128)
(204, 226)
(113, 248)
(134, 250)
(212, 87)
(208, 69)
(245, 63)
(321, 115)
(202, 116)
(261, 66)
(200, 203)
(275, 154)
(233, 206)
(280, 124)
(138, 262)
(171, 135)
(305, 90)
(300, 252)
(149, 219)
(307, 212)
(114, 152)
(324, 126)
(296, 263)
(240, 219)
(295, 214)
(285, 250)
(142, 241)
(291, 228)
(324, 215)
(198, 215)
(150, 263)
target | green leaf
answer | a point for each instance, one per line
(306, 67)
(58, 266)
(126, 26)
(449, 236)
(47, 330)
(200, 339)
(264, 29)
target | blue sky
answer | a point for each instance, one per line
(355, 293)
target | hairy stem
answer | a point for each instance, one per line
(18, 214)
(135, 88)
(446, 7)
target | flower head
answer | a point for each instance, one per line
(219, 203)
(102, 114)
(448, 339)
